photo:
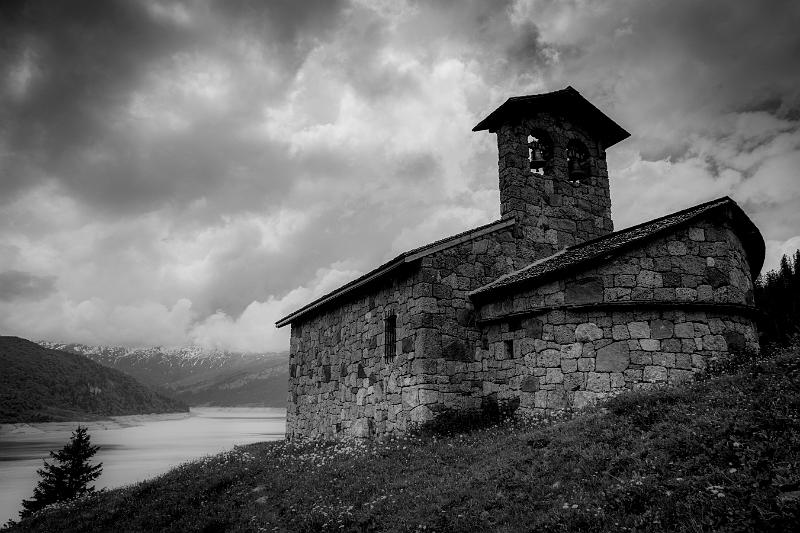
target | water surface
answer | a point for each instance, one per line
(133, 448)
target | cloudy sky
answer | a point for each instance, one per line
(189, 172)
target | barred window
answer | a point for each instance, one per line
(390, 337)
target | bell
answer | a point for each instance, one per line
(537, 159)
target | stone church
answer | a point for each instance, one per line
(544, 309)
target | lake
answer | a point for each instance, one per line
(133, 448)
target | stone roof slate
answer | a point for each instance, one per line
(597, 250)
(391, 266)
(567, 101)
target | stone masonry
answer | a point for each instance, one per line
(543, 309)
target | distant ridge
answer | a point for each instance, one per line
(198, 376)
(38, 384)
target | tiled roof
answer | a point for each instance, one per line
(391, 266)
(604, 247)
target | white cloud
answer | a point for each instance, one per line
(253, 330)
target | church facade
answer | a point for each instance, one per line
(546, 308)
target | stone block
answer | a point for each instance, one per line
(617, 380)
(715, 277)
(616, 294)
(456, 350)
(625, 280)
(620, 332)
(686, 295)
(428, 343)
(586, 364)
(661, 329)
(697, 234)
(650, 345)
(421, 414)
(684, 330)
(598, 382)
(532, 327)
(586, 290)
(653, 374)
(571, 351)
(671, 345)
(583, 399)
(648, 279)
(427, 396)
(680, 376)
(613, 358)
(676, 248)
(361, 428)
(569, 365)
(664, 359)
(554, 375)
(529, 384)
(556, 399)
(588, 332)
(574, 381)
(639, 330)
(714, 343)
(633, 375)
(410, 397)
(564, 334)
(549, 358)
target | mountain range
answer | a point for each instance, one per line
(38, 384)
(196, 376)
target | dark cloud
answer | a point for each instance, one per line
(73, 72)
(24, 285)
(170, 159)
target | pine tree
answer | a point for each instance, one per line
(68, 476)
(778, 296)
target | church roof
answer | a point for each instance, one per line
(394, 264)
(567, 101)
(591, 252)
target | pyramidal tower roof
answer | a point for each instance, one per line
(567, 102)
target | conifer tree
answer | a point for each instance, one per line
(777, 294)
(68, 476)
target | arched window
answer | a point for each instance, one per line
(540, 151)
(577, 162)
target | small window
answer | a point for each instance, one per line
(577, 162)
(509, 348)
(390, 337)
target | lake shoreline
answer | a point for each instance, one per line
(124, 421)
(133, 448)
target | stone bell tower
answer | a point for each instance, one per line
(552, 162)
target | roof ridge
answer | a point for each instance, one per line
(574, 255)
(388, 266)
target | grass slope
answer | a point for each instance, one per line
(717, 455)
(42, 385)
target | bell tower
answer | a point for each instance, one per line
(552, 167)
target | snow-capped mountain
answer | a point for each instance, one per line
(195, 375)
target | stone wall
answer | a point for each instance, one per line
(559, 353)
(664, 309)
(341, 384)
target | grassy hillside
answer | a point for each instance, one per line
(717, 455)
(41, 385)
